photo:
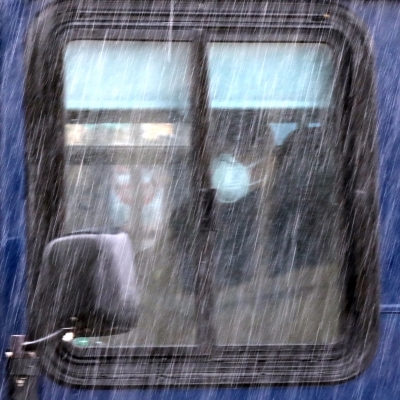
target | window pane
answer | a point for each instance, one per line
(125, 163)
(270, 75)
(277, 257)
(276, 253)
(126, 75)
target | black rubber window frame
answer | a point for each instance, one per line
(233, 365)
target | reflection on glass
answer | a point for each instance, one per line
(270, 75)
(123, 167)
(104, 75)
(127, 134)
(276, 254)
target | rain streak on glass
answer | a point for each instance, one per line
(276, 256)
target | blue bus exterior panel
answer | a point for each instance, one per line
(380, 380)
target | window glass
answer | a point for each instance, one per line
(126, 75)
(276, 261)
(128, 136)
(270, 75)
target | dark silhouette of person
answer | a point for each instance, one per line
(240, 145)
(304, 220)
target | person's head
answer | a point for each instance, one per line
(241, 154)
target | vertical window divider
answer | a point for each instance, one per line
(204, 196)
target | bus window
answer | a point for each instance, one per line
(128, 139)
(235, 164)
(130, 113)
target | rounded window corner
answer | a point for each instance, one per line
(346, 126)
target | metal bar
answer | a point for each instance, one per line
(203, 203)
(86, 116)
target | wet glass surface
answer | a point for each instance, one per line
(276, 253)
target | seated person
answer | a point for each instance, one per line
(241, 164)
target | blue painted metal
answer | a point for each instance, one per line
(390, 308)
(383, 21)
(382, 378)
(12, 192)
